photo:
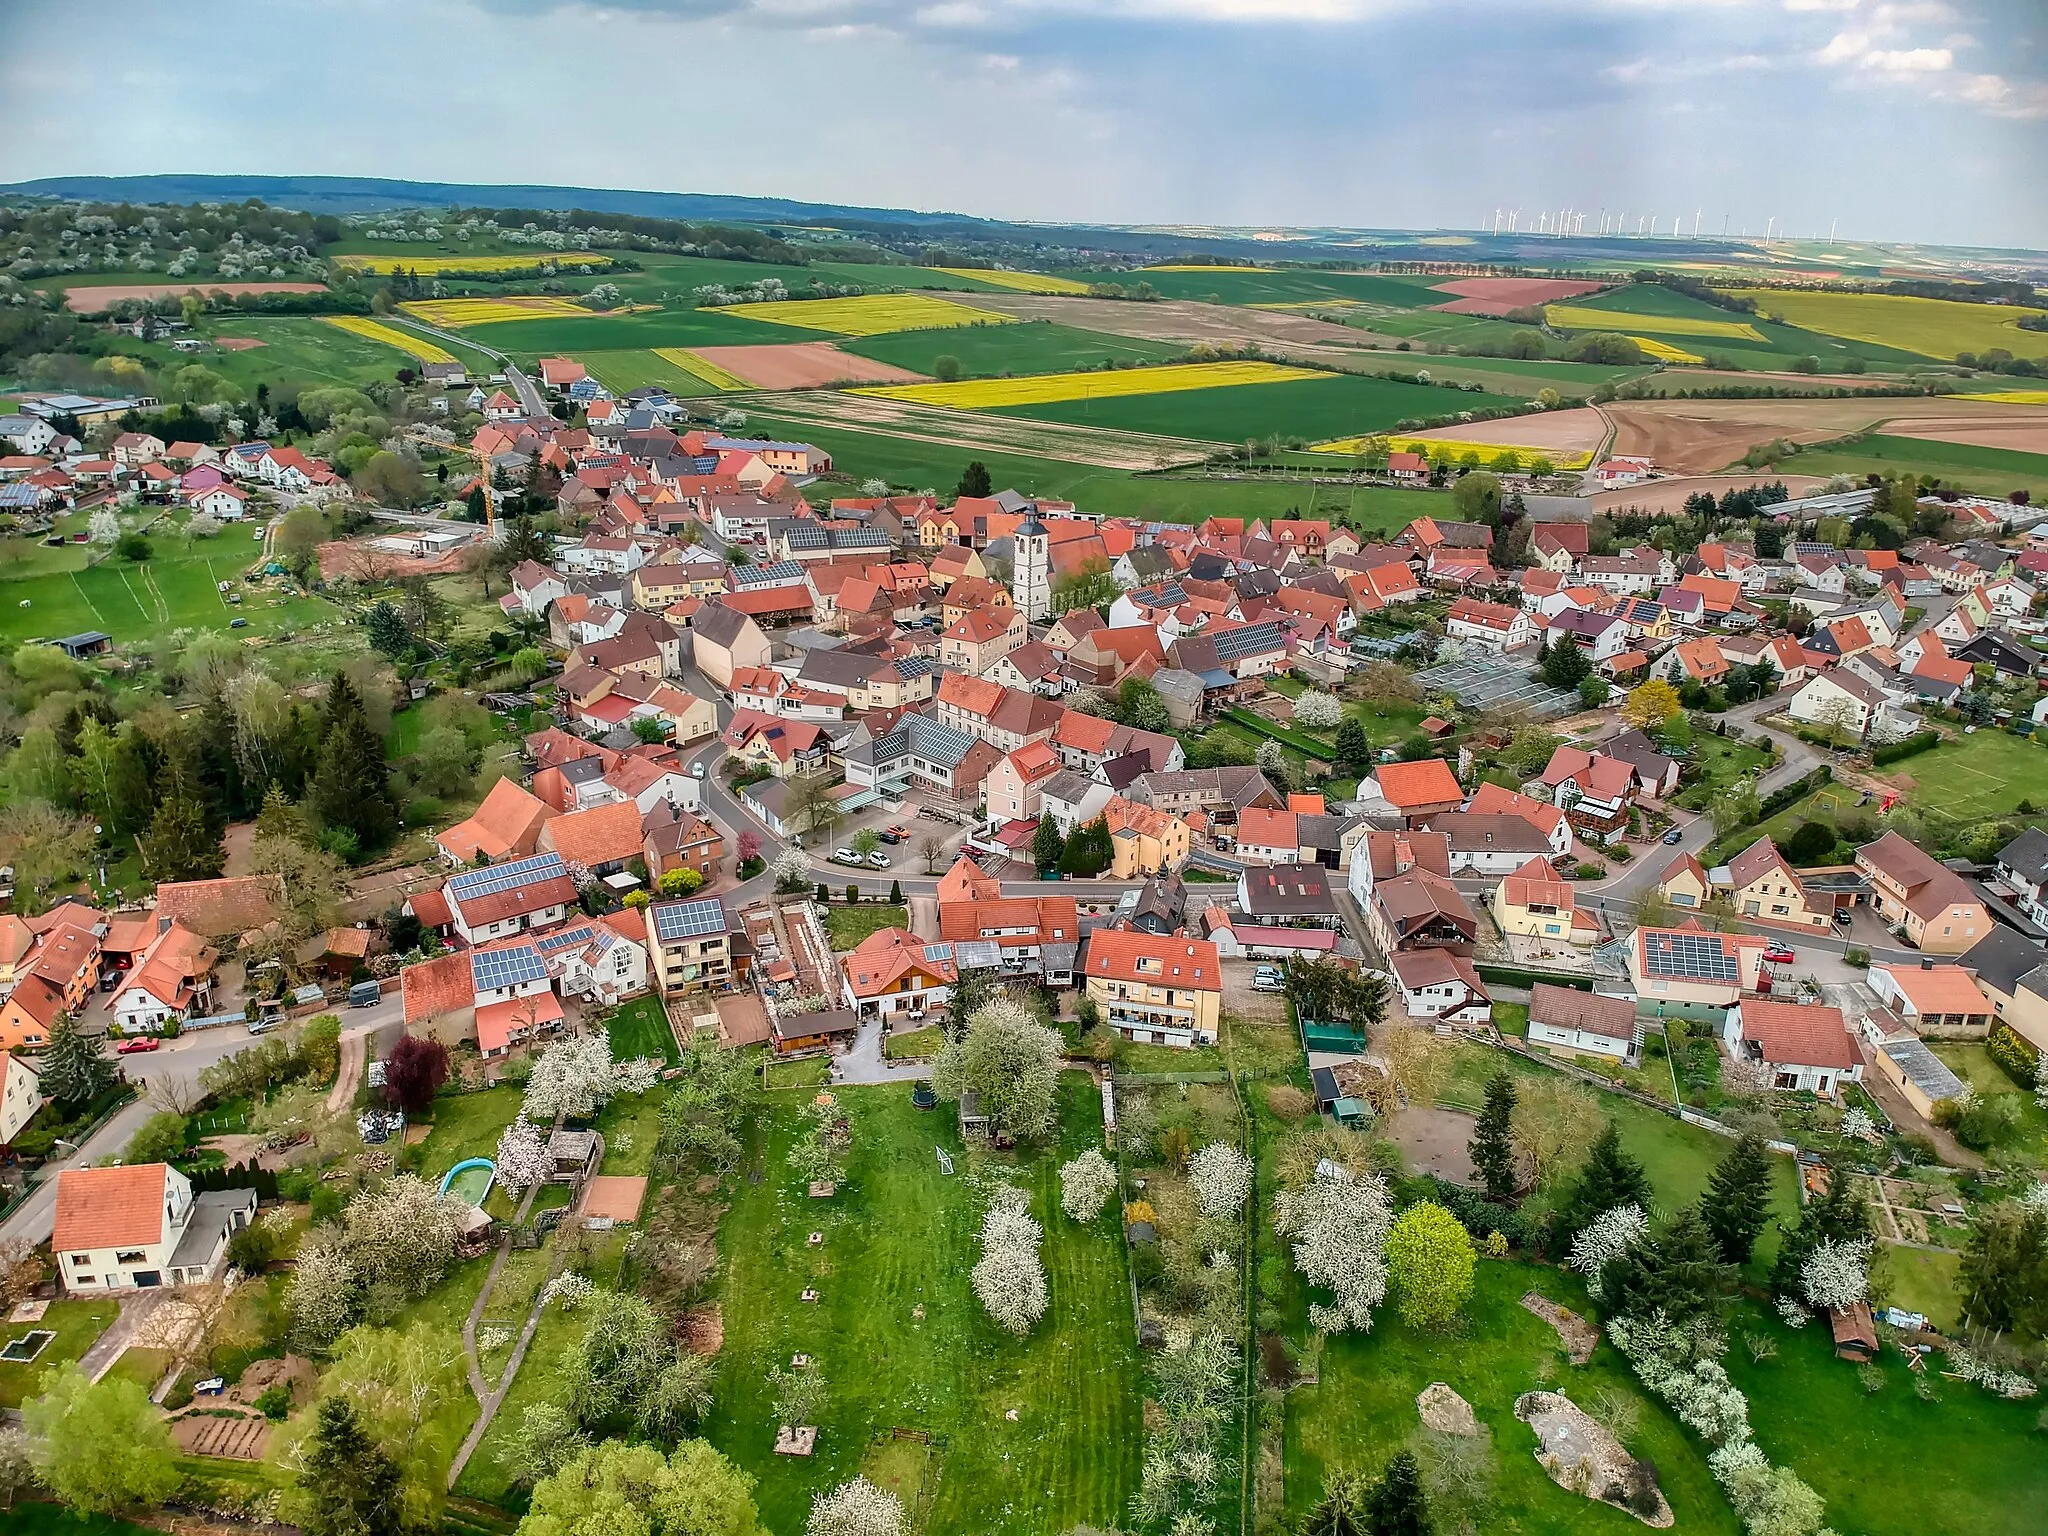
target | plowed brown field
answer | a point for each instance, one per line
(1701, 436)
(90, 301)
(1498, 295)
(803, 365)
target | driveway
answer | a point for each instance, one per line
(863, 1064)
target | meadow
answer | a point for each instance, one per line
(1060, 388)
(510, 261)
(872, 314)
(1990, 471)
(1336, 405)
(1033, 346)
(901, 1341)
(526, 339)
(1937, 328)
(635, 368)
(298, 352)
(175, 589)
(1769, 344)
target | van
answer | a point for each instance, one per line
(364, 994)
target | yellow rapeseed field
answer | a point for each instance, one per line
(1051, 388)
(1577, 317)
(869, 314)
(457, 313)
(382, 264)
(1430, 447)
(391, 336)
(1023, 282)
(702, 368)
(1928, 327)
(2012, 397)
(1664, 352)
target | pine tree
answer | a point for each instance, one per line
(73, 1070)
(349, 790)
(1678, 1272)
(1839, 1216)
(1396, 1506)
(1737, 1204)
(351, 1485)
(1492, 1148)
(1047, 844)
(1354, 750)
(974, 479)
(387, 629)
(896, 893)
(179, 845)
(279, 817)
(1610, 1178)
(223, 792)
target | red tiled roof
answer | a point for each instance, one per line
(1162, 960)
(110, 1207)
(506, 825)
(496, 1021)
(437, 986)
(604, 834)
(1798, 1034)
(1428, 781)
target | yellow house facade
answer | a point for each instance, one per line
(1144, 840)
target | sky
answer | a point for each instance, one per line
(1890, 120)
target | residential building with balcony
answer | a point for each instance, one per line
(1157, 989)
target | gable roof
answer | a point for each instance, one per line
(437, 986)
(1799, 1034)
(1154, 959)
(1569, 1008)
(216, 908)
(603, 834)
(110, 1207)
(506, 825)
(1427, 781)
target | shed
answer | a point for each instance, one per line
(1855, 1332)
(90, 643)
(1325, 1083)
(971, 1117)
(1923, 1077)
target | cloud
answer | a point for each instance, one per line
(1908, 61)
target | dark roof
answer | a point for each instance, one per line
(1250, 640)
(719, 624)
(2027, 855)
(1288, 890)
(2001, 958)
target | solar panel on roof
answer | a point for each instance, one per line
(494, 968)
(504, 877)
(1696, 955)
(936, 952)
(563, 938)
(688, 919)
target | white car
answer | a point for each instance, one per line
(845, 856)
(878, 860)
(1267, 979)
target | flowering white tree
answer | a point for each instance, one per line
(1009, 1280)
(874, 487)
(568, 1288)
(1836, 1275)
(1608, 1236)
(636, 1076)
(1269, 757)
(2036, 1197)
(1086, 1183)
(857, 1508)
(522, 1159)
(324, 1290)
(1792, 1312)
(2041, 1079)
(1222, 1177)
(1858, 1124)
(202, 525)
(790, 866)
(1012, 1061)
(573, 1077)
(103, 527)
(402, 1233)
(1339, 1224)
(1320, 710)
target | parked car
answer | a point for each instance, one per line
(1672, 838)
(890, 836)
(1779, 954)
(845, 856)
(899, 832)
(1265, 983)
(135, 1043)
(878, 860)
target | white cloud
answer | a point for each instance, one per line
(1909, 61)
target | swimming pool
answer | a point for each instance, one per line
(470, 1180)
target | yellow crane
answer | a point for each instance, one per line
(483, 473)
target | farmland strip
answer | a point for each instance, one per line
(391, 336)
(701, 367)
(1053, 388)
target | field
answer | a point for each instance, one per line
(625, 370)
(1664, 352)
(1498, 295)
(1938, 328)
(1973, 778)
(293, 352)
(405, 341)
(700, 367)
(901, 1341)
(1023, 282)
(1056, 388)
(2016, 396)
(1334, 405)
(1992, 471)
(1036, 346)
(791, 365)
(872, 314)
(1567, 438)
(1267, 285)
(177, 589)
(90, 300)
(459, 313)
(1574, 317)
(581, 329)
(509, 262)
(976, 434)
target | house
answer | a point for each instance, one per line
(1019, 936)
(21, 1095)
(1419, 790)
(1933, 908)
(1692, 661)
(602, 840)
(141, 1227)
(505, 899)
(967, 882)
(2022, 865)
(724, 640)
(673, 838)
(1684, 882)
(1288, 896)
(1692, 972)
(1534, 903)
(1156, 989)
(1442, 987)
(1418, 907)
(1492, 800)
(1656, 774)
(921, 751)
(506, 826)
(1933, 999)
(1762, 887)
(1572, 1020)
(690, 944)
(894, 976)
(786, 748)
(1602, 636)
(1802, 1047)
(171, 980)
(1221, 795)
(603, 958)
(1143, 839)
(1011, 790)
(1490, 845)
(1072, 799)
(228, 503)
(512, 995)
(1596, 792)
(1491, 627)
(978, 640)
(218, 909)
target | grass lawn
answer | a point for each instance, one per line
(36, 1519)
(1923, 1281)
(639, 1028)
(1973, 778)
(849, 925)
(447, 1304)
(76, 1324)
(490, 1472)
(466, 1125)
(1824, 804)
(810, 1072)
(914, 1042)
(1363, 1409)
(175, 589)
(1511, 1018)
(631, 1126)
(1715, 763)
(1885, 1460)
(899, 1240)
(1973, 1064)
(144, 1367)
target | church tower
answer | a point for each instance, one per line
(1031, 569)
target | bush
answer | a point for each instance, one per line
(1859, 958)
(1912, 746)
(2014, 1055)
(1589, 872)
(275, 1402)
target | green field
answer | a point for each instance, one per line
(175, 589)
(1973, 778)
(298, 352)
(631, 369)
(899, 1241)
(76, 1324)
(640, 1028)
(1038, 346)
(1340, 405)
(1290, 285)
(524, 339)
(1782, 343)
(1965, 466)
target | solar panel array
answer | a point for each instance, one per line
(938, 952)
(688, 919)
(494, 968)
(564, 938)
(489, 881)
(1697, 956)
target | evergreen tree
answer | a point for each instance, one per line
(73, 1070)
(896, 893)
(1678, 1272)
(1089, 851)
(1396, 1506)
(179, 845)
(1566, 665)
(224, 792)
(1492, 1149)
(279, 817)
(1839, 1216)
(351, 1485)
(1354, 750)
(349, 792)
(1046, 844)
(131, 792)
(474, 506)
(974, 479)
(1610, 1178)
(524, 541)
(387, 629)
(1737, 1204)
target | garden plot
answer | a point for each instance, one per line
(1910, 1211)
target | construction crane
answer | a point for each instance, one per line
(483, 474)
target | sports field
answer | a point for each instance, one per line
(1053, 388)
(457, 313)
(1975, 777)
(1317, 408)
(510, 262)
(871, 314)
(178, 589)
(1031, 346)
(1578, 317)
(1023, 282)
(391, 336)
(1938, 328)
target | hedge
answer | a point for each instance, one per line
(1308, 746)
(1515, 976)
(2014, 1054)
(1912, 746)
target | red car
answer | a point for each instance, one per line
(1778, 954)
(136, 1043)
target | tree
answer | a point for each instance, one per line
(1339, 1226)
(1737, 1204)
(161, 1138)
(1089, 851)
(1677, 1273)
(387, 629)
(1008, 1279)
(1086, 1183)
(1396, 1506)
(626, 1371)
(866, 841)
(17, 1464)
(414, 1073)
(572, 1078)
(47, 846)
(350, 791)
(1610, 1178)
(1477, 498)
(1139, 706)
(1011, 1062)
(1650, 704)
(1603, 1240)
(1354, 749)
(1429, 1265)
(931, 848)
(1318, 711)
(400, 1236)
(351, 1487)
(522, 1158)
(178, 845)
(1840, 1216)
(73, 1070)
(1593, 692)
(1047, 844)
(100, 1447)
(811, 806)
(103, 528)
(1222, 1179)
(1492, 1145)
(2004, 1274)
(1565, 665)
(974, 480)
(614, 1488)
